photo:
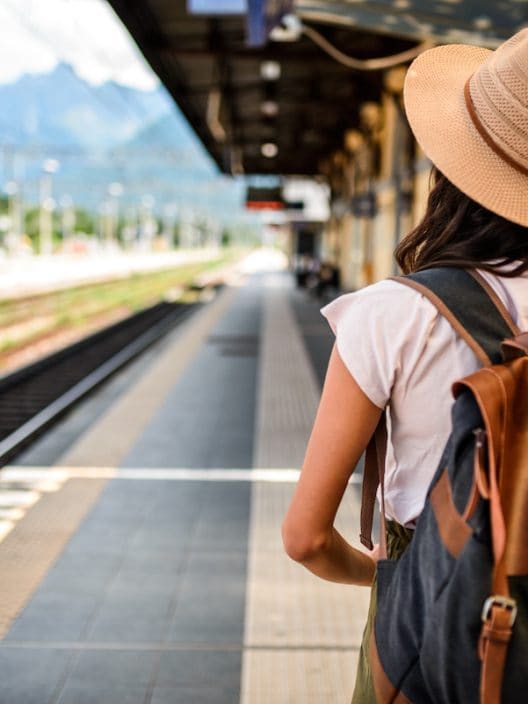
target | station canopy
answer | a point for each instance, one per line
(282, 107)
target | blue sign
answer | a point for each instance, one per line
(263, 16)
(217, 7)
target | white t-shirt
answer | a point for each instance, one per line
(399, 348)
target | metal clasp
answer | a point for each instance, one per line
(502, 601)
(480, 437)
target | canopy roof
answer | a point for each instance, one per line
(482, 22)
(302, 114)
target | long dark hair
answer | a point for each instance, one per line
(457, 231)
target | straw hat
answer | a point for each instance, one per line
(468, 109)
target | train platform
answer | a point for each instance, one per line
(26, 275)
(140, 546)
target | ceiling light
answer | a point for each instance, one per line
(269, 108)
(269, 150)
(270, 70)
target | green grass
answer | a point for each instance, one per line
(83, 305)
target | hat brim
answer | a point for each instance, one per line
(438, 116)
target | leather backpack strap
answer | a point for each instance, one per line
(477, 314)
(373, 476)
(470, 305)
(499, 305)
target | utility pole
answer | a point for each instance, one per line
(68, 217)
(115, 190)
(47, 206)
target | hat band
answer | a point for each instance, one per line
(485, 134)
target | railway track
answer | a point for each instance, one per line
(34, 397)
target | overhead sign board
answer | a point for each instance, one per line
(262, 15)
(262, 198)
(217, 7)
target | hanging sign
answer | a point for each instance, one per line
(263, 16)
(262, 198)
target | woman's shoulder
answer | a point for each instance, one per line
(380, 331)
(382, 290)
(387, 300)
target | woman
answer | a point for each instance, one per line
(468, 109)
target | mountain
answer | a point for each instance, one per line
(164, 160)
(59, 109)
(104, 134)
(172, 139)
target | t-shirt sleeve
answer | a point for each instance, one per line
(381, 331)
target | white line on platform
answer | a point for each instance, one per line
(171, 647)
(287, 475)
(10, 499)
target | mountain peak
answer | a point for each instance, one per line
(60, 108)
(101, 134)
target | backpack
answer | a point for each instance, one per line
(451, 624)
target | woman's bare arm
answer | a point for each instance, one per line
(345, 421)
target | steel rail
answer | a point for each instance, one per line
(50, 410)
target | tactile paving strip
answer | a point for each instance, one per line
(288, 394)
(302, 634)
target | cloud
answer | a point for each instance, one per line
(35, 35)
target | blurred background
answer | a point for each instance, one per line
(183, 185)
(129, 131)
(93, 143)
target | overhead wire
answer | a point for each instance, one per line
(376, 64)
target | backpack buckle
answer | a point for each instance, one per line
(504, 602)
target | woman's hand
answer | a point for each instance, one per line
(345, 421)
(374, 554)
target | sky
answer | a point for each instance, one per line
(36, 34)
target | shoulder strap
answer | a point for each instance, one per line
(470, 305)
(478, 315)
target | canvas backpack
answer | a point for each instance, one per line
(451, 624)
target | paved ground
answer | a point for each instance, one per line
(145, 562)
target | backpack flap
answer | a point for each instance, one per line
(501, 393)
